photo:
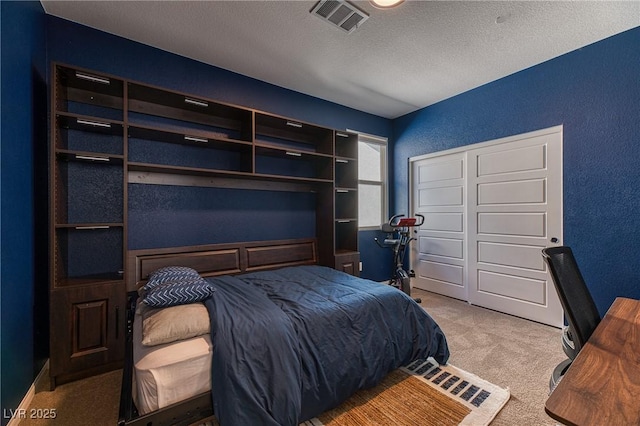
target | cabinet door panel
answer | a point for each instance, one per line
(89, 325)
(85, 327)
(349, 263)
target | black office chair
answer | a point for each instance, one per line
(580, 311)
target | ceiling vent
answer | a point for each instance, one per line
(340, 14)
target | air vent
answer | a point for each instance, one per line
(340, 14)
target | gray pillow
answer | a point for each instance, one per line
(170, 274)
(178, 293)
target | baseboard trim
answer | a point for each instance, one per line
(26, 401)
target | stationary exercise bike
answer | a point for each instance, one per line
(398, 230)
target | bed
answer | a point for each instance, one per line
(292, 339)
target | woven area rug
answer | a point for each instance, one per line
(422, 393)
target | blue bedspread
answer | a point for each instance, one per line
(290, 344)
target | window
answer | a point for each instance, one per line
(372, 181)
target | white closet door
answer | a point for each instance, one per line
(515, 210)
(489, 210)
(438, 256)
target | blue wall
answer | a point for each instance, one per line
(23, 130)
(594, 92)
(159, 213)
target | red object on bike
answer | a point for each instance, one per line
(407, 221)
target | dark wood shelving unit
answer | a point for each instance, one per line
(226, 120)
(192, 171)
(107, 133)
(89, 157)
(105, 278)
(195, 151)
(88, 93)
(85, 122)
(346, 173)
(288, 134)
(88, 249)
(87, 223)
(347, 257)
(196, 137)
(293, 163)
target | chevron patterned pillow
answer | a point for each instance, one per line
(170, 274)
(178, 293)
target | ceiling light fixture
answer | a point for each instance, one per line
(385, 4)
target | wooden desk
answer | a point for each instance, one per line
(602, 386)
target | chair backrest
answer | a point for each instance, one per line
(580, 310)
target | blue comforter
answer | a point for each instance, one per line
(290, 344)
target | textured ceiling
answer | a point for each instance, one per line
(398, 60)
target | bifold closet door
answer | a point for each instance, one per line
(515, 210)
(438, 256)
(489, 211)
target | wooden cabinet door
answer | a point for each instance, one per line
(87, 327)
(349, 263)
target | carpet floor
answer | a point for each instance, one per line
(507, 351)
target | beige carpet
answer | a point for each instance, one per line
(507, 351)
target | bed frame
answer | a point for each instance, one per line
(208, 260)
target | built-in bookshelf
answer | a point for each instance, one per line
(109, 132)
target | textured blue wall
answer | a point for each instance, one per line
(214, 215)
(23, 75)
(594, 92)
(88, 48)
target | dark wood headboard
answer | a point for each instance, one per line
(221, 259)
